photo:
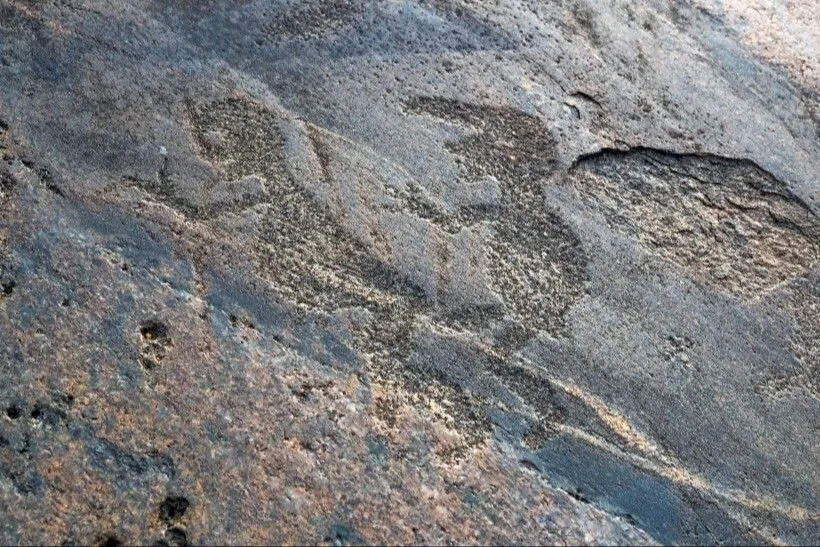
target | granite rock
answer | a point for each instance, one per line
(428, 271)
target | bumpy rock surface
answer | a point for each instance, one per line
(431, 271)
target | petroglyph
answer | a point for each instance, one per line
(536, 260)
(512, 146)
(302, 19)
(260, 283)
(240, 137)
(313, 262)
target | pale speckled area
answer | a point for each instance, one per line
(783, 33)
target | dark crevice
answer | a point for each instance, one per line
(578, 494)
(176, 537)
(13, 412)
(111, 541)
(589, 98)
(8, 287)
(155, 343)
(173, 508)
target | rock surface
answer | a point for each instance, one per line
(431, 271)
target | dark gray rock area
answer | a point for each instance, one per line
(409, 272)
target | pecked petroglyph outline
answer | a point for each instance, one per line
(393, 307)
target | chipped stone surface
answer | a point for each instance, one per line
(425, 271)
(726, 221)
